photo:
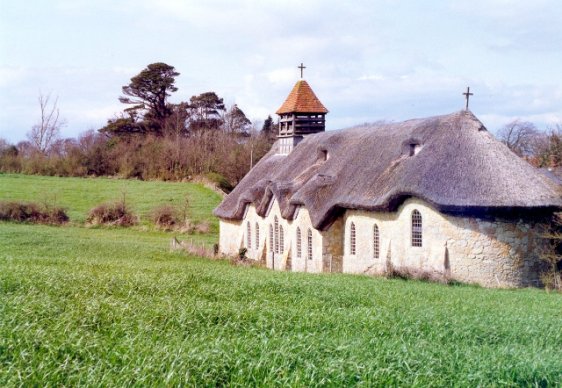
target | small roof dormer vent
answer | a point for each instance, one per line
(411, 147)
(414, 149)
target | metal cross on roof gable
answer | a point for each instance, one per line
(467, 95)
(302, 67)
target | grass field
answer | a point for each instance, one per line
(114, 307)
(79, 195)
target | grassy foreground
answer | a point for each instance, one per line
(112, 307)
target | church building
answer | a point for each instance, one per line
(434, 195)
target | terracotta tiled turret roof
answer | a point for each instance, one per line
(302, 100)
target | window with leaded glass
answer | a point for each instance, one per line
(281, 240)
(249, 236)
(352, 239)
(309, 247)
(276, 222)
(257, 235)
(376, 242)
(299, 246)
(270, 238)
(416, 229)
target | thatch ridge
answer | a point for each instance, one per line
(460, 168)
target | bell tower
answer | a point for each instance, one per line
(301, 114)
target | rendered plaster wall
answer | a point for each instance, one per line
(304, 263)
(234, 235)
(256, 249)
(493, 253)
(230, 237)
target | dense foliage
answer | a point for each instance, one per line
(148, 92)
(149, 157)
(151, 139)
(32, 212)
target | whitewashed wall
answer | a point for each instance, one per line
(233, 236)
(230, 237)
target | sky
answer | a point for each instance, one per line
(366, 60)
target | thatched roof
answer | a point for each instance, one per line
(460, 168)
(302, 100)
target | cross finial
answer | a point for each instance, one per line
(302, 67)
(467, 95)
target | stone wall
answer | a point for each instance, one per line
(493, 253)
(332, 247)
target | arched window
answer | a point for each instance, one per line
(376, 242)
(416, 229)
(352, 239)
(276, 221)
(309, 251)
(257, 235)
(299, 244)
(249, 236)
(270, 238)
(281, 240)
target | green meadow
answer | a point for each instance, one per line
(79, 195)
(115, 307)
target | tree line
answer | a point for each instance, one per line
(540, 148)
(152, 138)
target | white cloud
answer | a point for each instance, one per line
(99, 114)
(281, 77)
(12, 75)
(372, 77)
(370, 60)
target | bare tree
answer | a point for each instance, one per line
(44, 134)
(551, 152)
(522, 137)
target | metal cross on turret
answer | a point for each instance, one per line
(467, 95)
(302, 67)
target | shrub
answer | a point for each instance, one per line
(242, 253)
(116, 213)
(220, 181)
(551, 255)
(406, 273)
(203, 227)
(32, 212)
(166, 217)
(57, 216)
